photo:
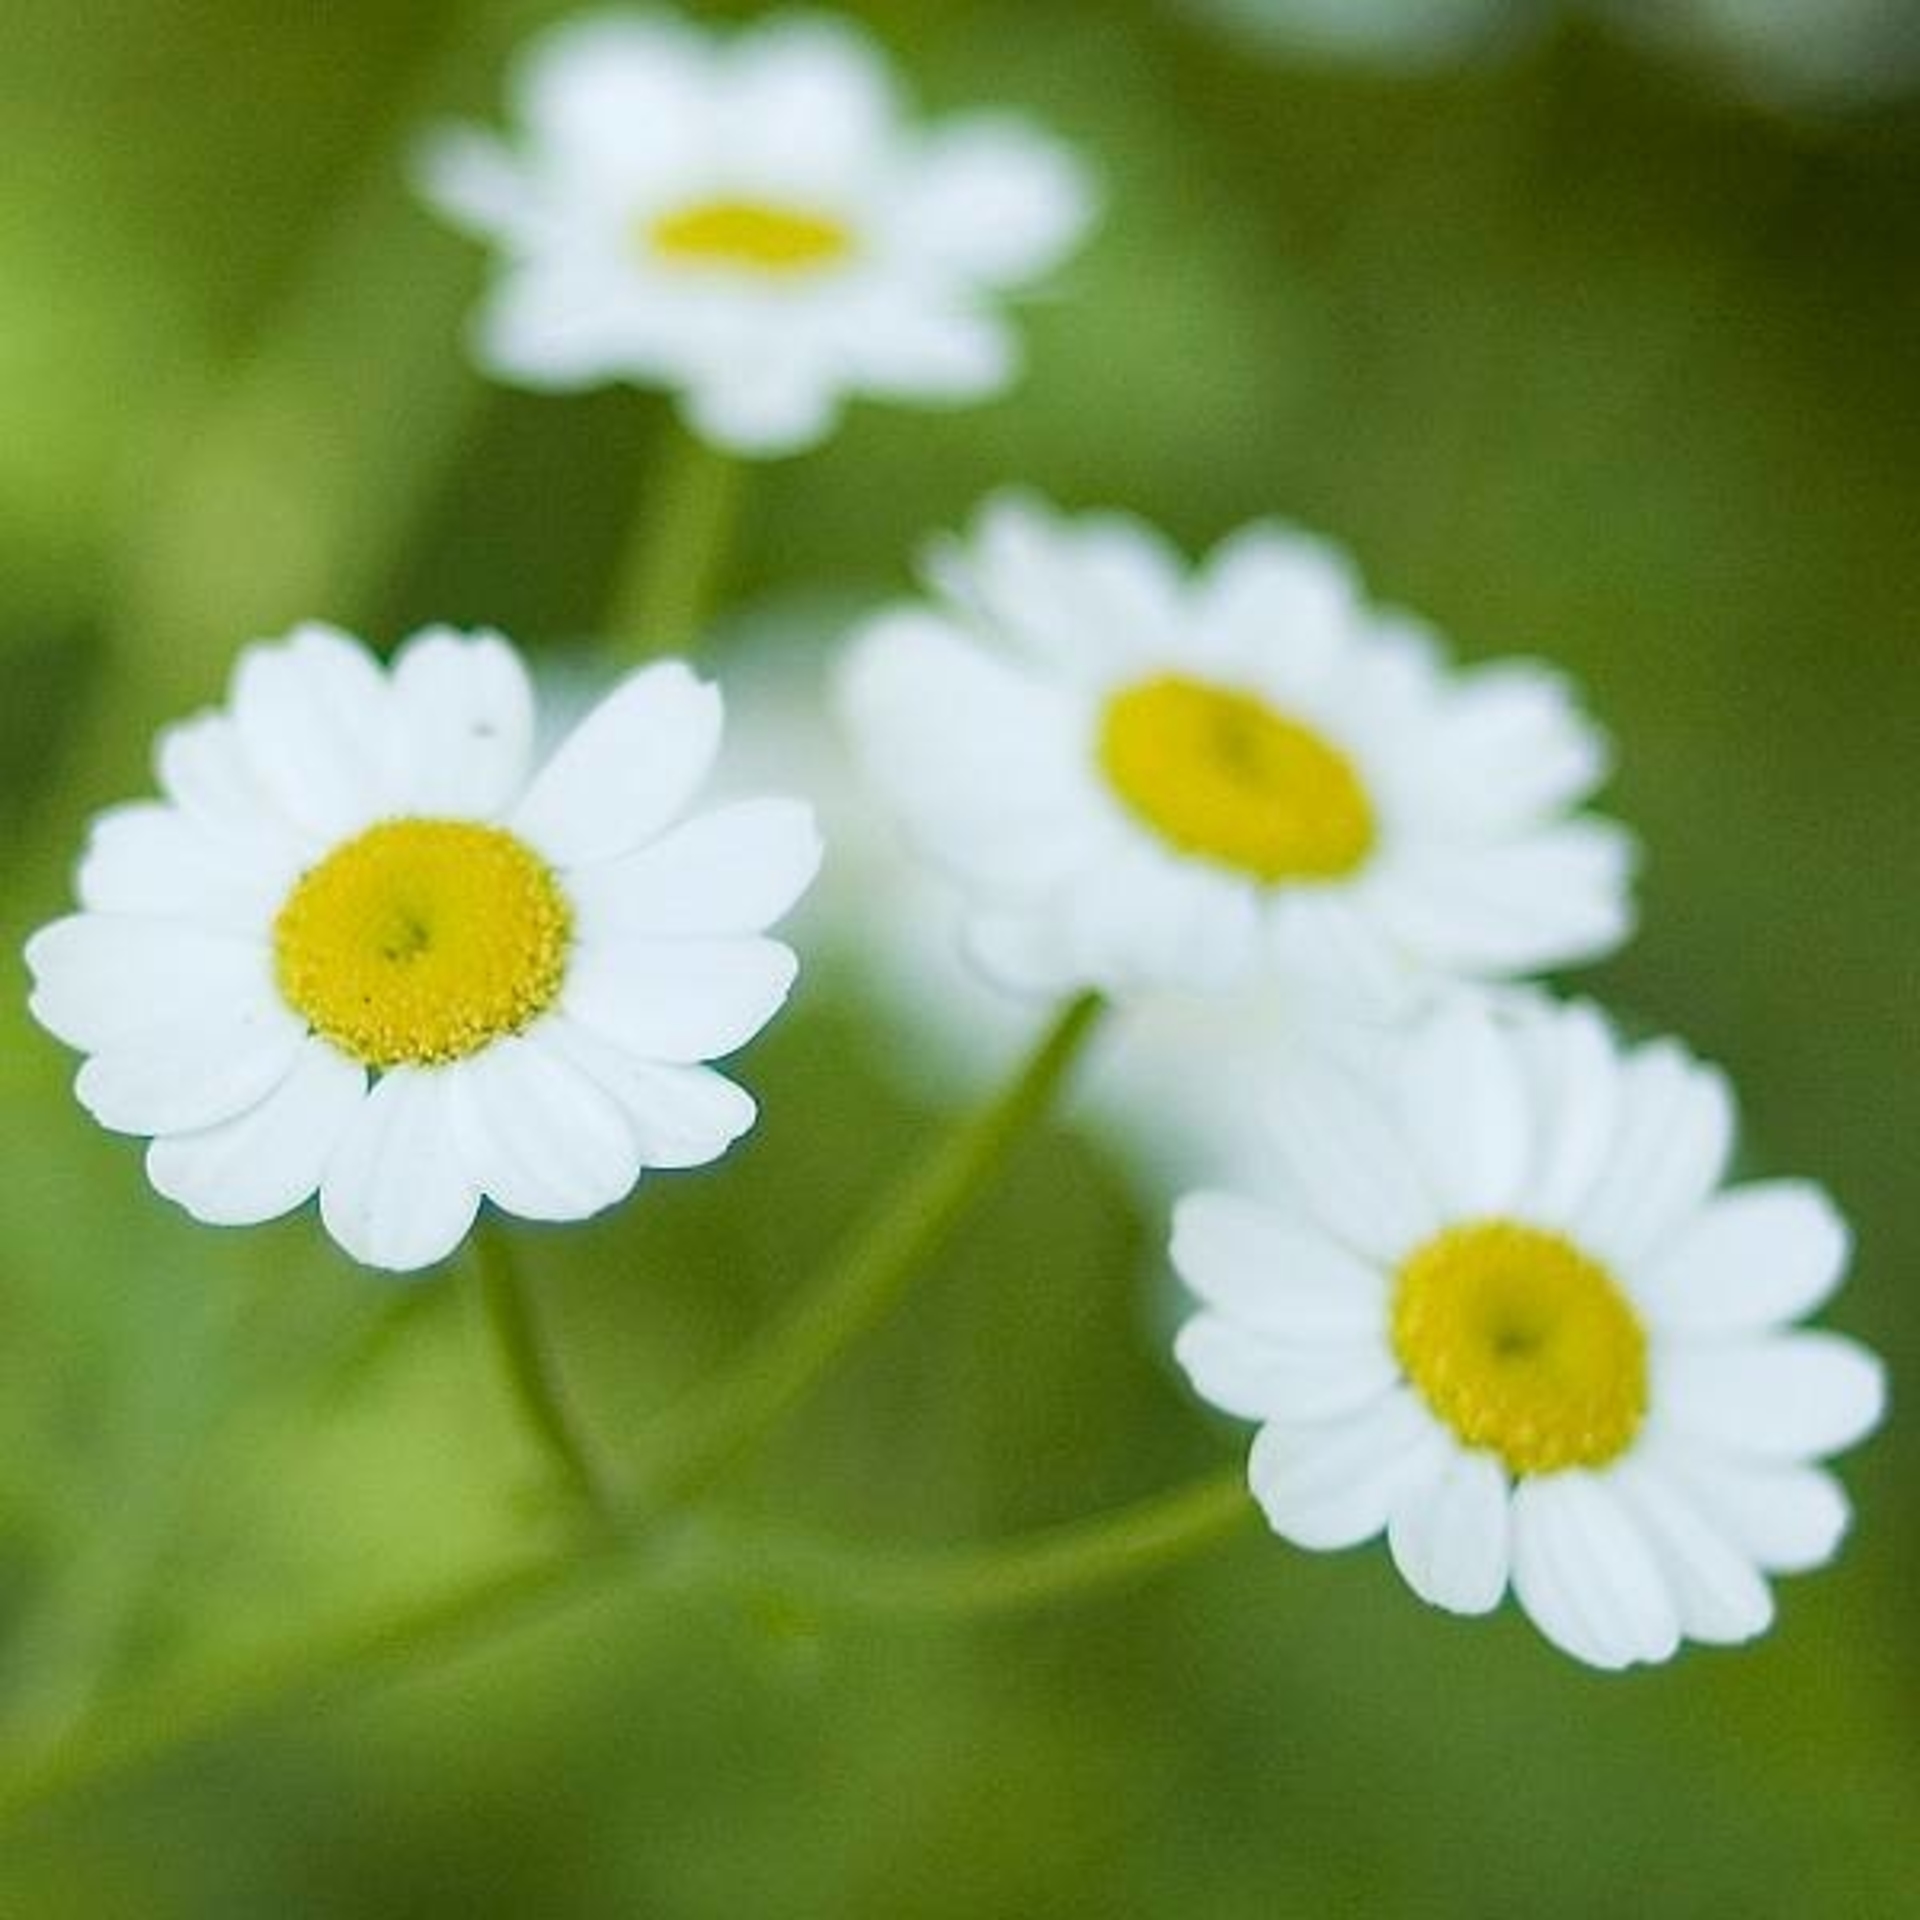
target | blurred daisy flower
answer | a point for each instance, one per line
(1148, 777)
(1502, 1309)
(752, 222)
(1176, 1085)
(365, 947)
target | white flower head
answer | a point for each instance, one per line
(1502, 1309)
(365, 947)
(1148, 776)
(1177, 1083)
(752, 221)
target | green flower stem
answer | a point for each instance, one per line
(174, 1720)
(699, 1440)
(667, 584)
(1020, 1574)
(1039, 1569)
(530, 1367)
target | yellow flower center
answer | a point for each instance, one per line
(1220, 775)
(1522, 1344)
(749, 235)
(422, 941)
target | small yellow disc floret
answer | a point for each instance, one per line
(1221, 775)
(1523, 1345)
(421, 941)
(751, 235)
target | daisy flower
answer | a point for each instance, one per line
(752, 222)
(365, 947)
(1176, 1086)
(1150, 777)
(1503, 1310)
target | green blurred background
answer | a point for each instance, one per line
(1584, 351)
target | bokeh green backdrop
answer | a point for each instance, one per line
(1582, 355)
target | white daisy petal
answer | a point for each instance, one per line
(105, 979)
(808, 101)
(1790, 1396)
(268, 1160)
(1250, 1263)
(1334, 1485)
(316, 722)
(679, 1001)
(548, 332)
(1751, 1259)
(1450, 1537)
(205, 772)
(1721, 1597)
(979, 754)
(1018, 952)
(1145, 920)
(774, 407)
(1328, 945)
(536, 1136)
(1351, 1167)
(152, 861)
(1671, 1144)
(1079, 598)
(619, 95)
(991, 198)
(1260, 1379)
(465, 708)
(1574, 1075)
(736, 870)
(627, 770)
(1786, 1519)
(681, 1116)
(1522, 748)
(396, 1193)
(179, 1079)
(934, 355)
(1466, 1111)
(1552, 898)
(1271, 589)
(1585, 1574)
(479, 184)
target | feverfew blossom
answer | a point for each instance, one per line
(1148, 776)
(1501, 1308)
(753, 222)
(365, 947)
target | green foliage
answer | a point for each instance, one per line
(1580, 356)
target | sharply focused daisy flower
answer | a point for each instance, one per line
(364, 947)
(752, 222)
(1150, 777)
(1503, 1310)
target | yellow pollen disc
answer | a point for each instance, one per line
(1522, 1344)
(1220, 775)
(750, 235)
(422, 941)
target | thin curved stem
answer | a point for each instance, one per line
(699, 1440)
(1037, 1569)
(174, 1720)
(665, 590)
(530, 1368)
(992, 1580)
